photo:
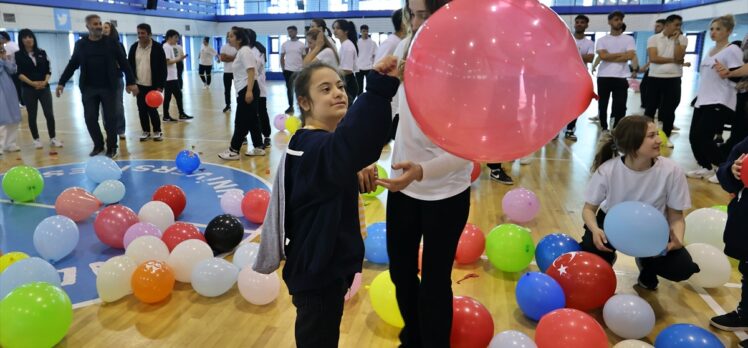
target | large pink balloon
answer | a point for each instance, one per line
(76, 203)
(495, 80)
(112, 223)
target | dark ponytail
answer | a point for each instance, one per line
(350, 31)
(322, 24)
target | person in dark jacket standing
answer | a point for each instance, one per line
(97, 58)
(148, 63)
(34, 73)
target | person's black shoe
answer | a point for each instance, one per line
(96, 151)
(266, 143)
(185, 117)
(501, 176)
(289, 110)
(169, 119)
(227, 108)
(646, 281)
(111, 153)
(732, 321)
(744, 344)
(571, 136)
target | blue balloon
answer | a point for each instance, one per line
(55, 237)
(101, 168)
(110, 191)
(188, 161)
(637, 229)
(538, 294)
(687, 336)
(553, 246)
(376, 243)
(27, 271)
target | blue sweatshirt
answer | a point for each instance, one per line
(736, 230)
(321, 185)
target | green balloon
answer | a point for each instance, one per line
(720, 207)
(509, 247)
(23, 183)
(382, 174)
(35, 315)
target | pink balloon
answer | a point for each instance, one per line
(354, 286)
(495, 80)
(280, 122)
(138, 230)
(112, 223)
(635, 85)
(520, 205)
(76, 203)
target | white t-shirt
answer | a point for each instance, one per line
(666, 49)
(714, 89)
(444, 174)
(171, 69)
(348, 56)
(585, 46)
(230, 51)
(207, 54)
(294, 50)
(615, 44)
(244, 60)
(327, 56)
(387, 48)
(260, 72)
(367, 50)
(661, 186)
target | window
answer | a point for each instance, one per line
(370, 5)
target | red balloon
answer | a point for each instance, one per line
(472, 324)
(744, 173)
(475, 174)
(588, 281)
(494, 80)
(180, 232)
(173, 196)
(112, 223)
(471, 245)
(76, 203)
(255, 204)
(154, 99)
(567, 327)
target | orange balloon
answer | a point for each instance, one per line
(152, 281)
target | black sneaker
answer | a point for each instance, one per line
(743, 344)
(501, 176)
(718, 139)
(227, 108)
(571, 136)
(111, 153)
(732, 321)
(185, 117)
(266, 143)
(169, 119)
(96, 151)
(645, 280)
(289, 110)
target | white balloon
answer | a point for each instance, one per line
(633, 344)
(258, 289)
(511, 339)
(629, 316)
(706, 225)
(147, 248)
(714, 265)
(113, 278)
(214, 277)
(246, 255)
(157, 213)
(185, 256)
(231, 202)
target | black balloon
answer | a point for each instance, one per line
(224, 233)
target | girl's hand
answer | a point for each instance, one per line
(387, 66)
(737, 166)
(599, 239)
(674, 244)
(411, 171)
(367, 178)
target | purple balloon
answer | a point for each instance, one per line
(280, 121)
(520, 205)
(140, 229)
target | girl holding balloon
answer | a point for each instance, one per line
(640, 175)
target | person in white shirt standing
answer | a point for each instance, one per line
(207, 55)
(291, 59)
(615, 50)
(367, 50)
(10, 49)
(666, 51)
(644, 84)
(387, 48)
(716, 99)
(586, 49)
(228, 53)
(345, 31)
(260, 53)
(172, 78)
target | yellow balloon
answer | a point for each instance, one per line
(293, 124)
(733, 262)
(9, 258)
(382, 296)
(663, 138)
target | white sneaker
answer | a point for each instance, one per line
(12, 148)
(37, 144)
(675, 129)
(229, 155)
(713, 179)
(158, 136)
(525, 160)
(55, 143)
(144, 136)
(669, 144)
(255, 152)
(700, 173)
(594, 118)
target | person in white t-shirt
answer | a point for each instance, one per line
(644, 84)
(247, 96)
(345, 31)
(171, 88)
(227, 55)
(367, 50)
(640, 175)
(292, 60)
(260, 53)
(615, 50)
(586, 49)
(716, 99)
(206, 58)
(388, 46)
(10, 49)
(321, 49)
(666, 51)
